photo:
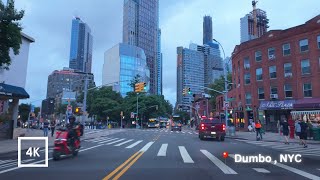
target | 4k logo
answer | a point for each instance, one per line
(33, 152)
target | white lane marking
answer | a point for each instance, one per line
(99, 139)
(163, 150)
(226, 169)
(115, 141)
(42, 150)
(294, 170)
(134, 144)
(6, 161)
(183, 132)
(15, 163)
(101, 142)
(146, 147)
(197, 133)
(123, 142)
(189, 132)
(185, 155)
(177, 131)
(261, 170)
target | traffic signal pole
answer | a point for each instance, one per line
(84, 107)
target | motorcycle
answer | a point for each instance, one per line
(62, 143)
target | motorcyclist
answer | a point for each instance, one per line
(72, 135)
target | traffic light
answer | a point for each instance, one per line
(189, 91)
(78, 110)
(140, 87)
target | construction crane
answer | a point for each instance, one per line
(255, 21)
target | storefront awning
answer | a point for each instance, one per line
(305, 112)
(9, 91)
(307, 103)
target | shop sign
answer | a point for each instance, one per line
(274, 105)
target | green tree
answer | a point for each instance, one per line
(24, 110)
(219, 86)
(134, 81)
(10, 32)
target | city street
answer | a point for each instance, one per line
(162, 154)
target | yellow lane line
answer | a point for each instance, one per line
(127, 167)
(121, 166)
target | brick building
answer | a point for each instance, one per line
(277, 76)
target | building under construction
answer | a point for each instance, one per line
(254, 24)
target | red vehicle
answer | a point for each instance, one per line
(212, 128)
(62, 141)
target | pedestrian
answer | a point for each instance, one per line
(45, 128)
(52, 126)
(297, 129)
(304, 133)
(258, 129)
(310, 127)
(253, 126)
(285, 130)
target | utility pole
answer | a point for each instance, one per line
(84, 106)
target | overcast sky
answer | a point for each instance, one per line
(49, 23)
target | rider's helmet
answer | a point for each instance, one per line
(72, 119)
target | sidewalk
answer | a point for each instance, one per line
(11, 145)
(268, 136)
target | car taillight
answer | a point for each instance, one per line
(202, 125)
(224, 127)
(202, 128)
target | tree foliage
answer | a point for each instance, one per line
(10, 32)
(134, 81)
(219, 86)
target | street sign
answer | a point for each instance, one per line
(132, 115)
(226, 104)
(121, 114)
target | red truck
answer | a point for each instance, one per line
(212, 128)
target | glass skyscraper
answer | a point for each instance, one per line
(121, 64)
(81, 46)
(207, 29)
(140, 28)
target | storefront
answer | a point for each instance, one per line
(308, 109)
(270, 112)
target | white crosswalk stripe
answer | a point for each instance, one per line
(134, 144)
(101, 142)
(124, 142)
(115, 141)
(226, 169)
(98, 139)
(14, 163)
(185, 155)
(7, 161)
(261, 170)
(163, 150)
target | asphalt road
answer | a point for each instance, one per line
(160, 154)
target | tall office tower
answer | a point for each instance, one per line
(140, 28)
(159, 65)
(213, 65)
(247, 25)
(81, 46)
(190, 68)
(207, 29)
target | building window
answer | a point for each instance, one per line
(247, 78)
(258, 56)
(246, 63)
(259, 74)
(318, 40)
(288, 90)
(307, 90)
(287, 70)
(273, 90)
(304, 45)
(286, 49)
(271, 53)
(305, 67)
(261, 93)
(248, 98)
(273, 72)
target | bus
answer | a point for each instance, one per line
(153, 123)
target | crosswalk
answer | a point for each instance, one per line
(12, 163)
(312, 150)
(184, 131)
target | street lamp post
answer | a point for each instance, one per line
(225, 83)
